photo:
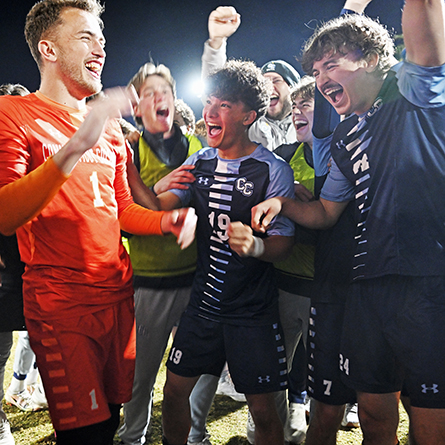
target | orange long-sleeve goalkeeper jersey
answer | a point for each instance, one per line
(75, 261)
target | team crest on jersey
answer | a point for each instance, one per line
(244, 186)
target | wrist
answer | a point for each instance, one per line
(258, 247)
(216, 42)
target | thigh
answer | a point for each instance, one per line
(294, 316)
(198, 347)
(367, 358)
(324, 376)
(418, 338)
(85, 363)
(256, 358)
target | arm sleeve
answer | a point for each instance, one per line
(138, 220)
(24, 199)
(337, 187)
(422, 86)
(212, 59)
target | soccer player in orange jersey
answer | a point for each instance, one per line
(64, 190)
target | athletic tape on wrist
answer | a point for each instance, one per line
(258, 247)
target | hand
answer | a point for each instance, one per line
(182, 223)
(177, 179)
(223, 22)
(302, 193)
(264, 212)
(113, 104)
(357, 6)
(240, 238)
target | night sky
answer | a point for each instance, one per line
(173, 33)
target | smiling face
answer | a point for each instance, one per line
(227, 123)
(157, 105)
(79, 49)
(345, 82)
(303, 118)
(280, 103)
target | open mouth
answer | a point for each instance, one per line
(334, 93)
(274, 100)
(213, 130)
(94, 68)
(163, 112)
(300, 124)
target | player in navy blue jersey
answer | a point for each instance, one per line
(389, 158)
(233, 311)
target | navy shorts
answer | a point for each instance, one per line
(255, 354)
(394, 334)
(324, 376)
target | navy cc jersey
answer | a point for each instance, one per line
(227, 287)
(392, 160)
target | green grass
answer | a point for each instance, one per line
(226, 422)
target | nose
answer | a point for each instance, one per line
(211, 110)
(99, 49)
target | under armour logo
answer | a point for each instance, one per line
(340, 145)
(203, 181)
(264, 379)
(433, 388)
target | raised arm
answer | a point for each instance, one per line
(117, 102)
(27, 196)
(423, 31)
(223, 22)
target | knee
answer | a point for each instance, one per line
(330, 416)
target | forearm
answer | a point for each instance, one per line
(142, 194)
(276, 248)
(312, 215)
(24, 199)
(141, 221)
(213, 58)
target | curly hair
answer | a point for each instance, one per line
(305, 89)
(187, 114)
(350, 33)
(241, 81)
(44, 16)
(13, 89)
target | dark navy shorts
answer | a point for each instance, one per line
(394, 334)
(324, 376)
(255, 354)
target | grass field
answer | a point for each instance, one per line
(226, 422)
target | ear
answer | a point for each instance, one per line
(136, 110)
(47, 50)
(372, 62)
(249, 118)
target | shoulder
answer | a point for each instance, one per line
(286, 151)
(422, 86)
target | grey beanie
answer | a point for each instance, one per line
(286, 71)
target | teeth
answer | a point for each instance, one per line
(329, 91)
(92, 66)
